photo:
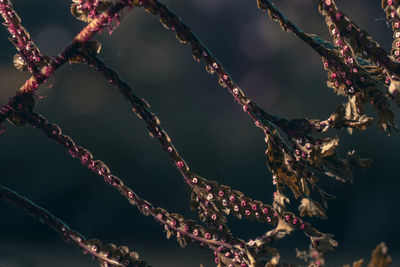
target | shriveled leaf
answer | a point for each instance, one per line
(280, 201)
(77, 13)
(328, 146)
(275, 260)
(91, 48)
(324, 243)
(182, 241)
(83, 13)
(394, 90)
(282, 229)
(19, 63)
(311, 208)
(108, 250)
(303, 255)
(380, 257)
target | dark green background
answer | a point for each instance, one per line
(210, 130)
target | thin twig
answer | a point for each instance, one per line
(59, 226)
(211, 195)
(20, 37)
(218, 240)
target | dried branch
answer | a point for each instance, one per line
(29, 56)
(348, 75)
(287, 164)
(219, 240)
(392, 11)
(213, 200)
(108, 255)
(82, 37)
(357, 68)
(79, 41)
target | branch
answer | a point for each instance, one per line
(390, 7)
(107, 254)
(83, 36)
(348, 75)
(96, 25)
(219, 240)
(29, 56)
(211, 199)
(359, 40)
(292, 167)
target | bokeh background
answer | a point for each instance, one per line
(209, 129)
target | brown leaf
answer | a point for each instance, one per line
(303, 255)
(280, 201)
(282, 229)
(324, 243)
(19, 63)
(328, 146)
(394, 90)
(311, 208)
(84, 14)
(380, 258)
(90, 48)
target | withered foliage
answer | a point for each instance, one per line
(380, 258)
(298, 152)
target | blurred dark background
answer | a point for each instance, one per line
(209, 129)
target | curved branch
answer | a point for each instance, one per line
(92, 247)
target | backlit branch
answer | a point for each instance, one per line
(29, 56)
(213, 200)
(293, 166)
(107, 254)
(219, 240)
(296, 151)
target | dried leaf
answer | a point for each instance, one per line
(91, 48)
(280, 201)
(82, 13)
(394, 90)
(182, 241)
(311, 208)
(282, 229)
(19, 63)
(380, 258)
(324, 243)
(303, 255)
